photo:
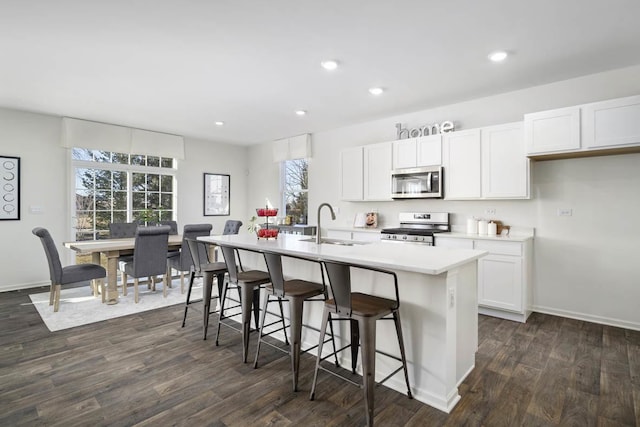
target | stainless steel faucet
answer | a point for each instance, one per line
(333, 217)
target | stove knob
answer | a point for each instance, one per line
(404, 237)
(394, 237)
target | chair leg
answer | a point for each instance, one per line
(265, 304)
(355, 341)
(124, 284)
(248, 299)
(207, 284)
(56, 300)
(396, 320)
(284, 326)
(135, 290)
(164, 285)
(333, 341)
(103, 290)
(323, 331)
(368, 326)
(182, 282)
(52, 293)
(296, 306)
(225, 285)
(188, 300)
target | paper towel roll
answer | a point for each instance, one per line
(472, 226)
(492, 229)
(483, 227)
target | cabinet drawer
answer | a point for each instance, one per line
(501, 248)
(448, 242)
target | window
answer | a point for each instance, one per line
(116, 187)
(295, 180)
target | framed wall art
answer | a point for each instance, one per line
(9, 188)
(217, 194)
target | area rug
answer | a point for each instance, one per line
(79, 307)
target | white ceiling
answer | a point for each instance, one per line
(179, 66)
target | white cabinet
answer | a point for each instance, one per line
(417, 152)
(365, 172)
(351, 174)
(462, 164)
(595, 129)
(486, 163)
(613, 123)
(504, 276)
(505, 166)
(553, 130)
(360, 236)
(377, 171)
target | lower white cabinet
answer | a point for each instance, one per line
(504, 276)
(360, 236)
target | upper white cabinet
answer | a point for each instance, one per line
(365, 172)
(611, 123)
(505, 166)
(462, 164)
(377, 171)
(599, 128)
(351, 174)
(417, 152)
(552, 131)
(486, 163)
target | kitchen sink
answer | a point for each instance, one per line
(335, 241)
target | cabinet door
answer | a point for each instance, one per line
(611, 123)
(500, 282)
(362, 236)
(429, 150)
(452, 242)
(505, 166)
(404, 153)
(552, 131)
(351, 174)
(462, 164)
(377, 171)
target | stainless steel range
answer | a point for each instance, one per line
(417, 227)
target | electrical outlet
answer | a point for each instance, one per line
(490, 211)
(565, 211)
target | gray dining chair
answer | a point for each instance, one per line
(181, 260)
(149, 257)
(70, 274)
(123, 230)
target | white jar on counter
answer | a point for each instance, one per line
(492, 229)
(483, 227)
(472, 226)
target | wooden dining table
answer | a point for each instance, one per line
(112, 249)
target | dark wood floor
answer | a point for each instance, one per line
(146, 370)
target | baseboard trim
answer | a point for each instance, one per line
(21, 286)
(588, 318)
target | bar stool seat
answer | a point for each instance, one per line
(296, 292)
(362, 311)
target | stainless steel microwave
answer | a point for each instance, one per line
(417, 183)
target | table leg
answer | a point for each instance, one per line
(112, 276)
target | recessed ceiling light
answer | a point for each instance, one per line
(498, 56)
(329, 65)
(219, 123)
(301, 112)
(376, 91)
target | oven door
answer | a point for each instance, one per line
(416, 183)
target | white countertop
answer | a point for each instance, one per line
(396, 256)
(354, 229)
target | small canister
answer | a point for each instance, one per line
(492, 229)
(472, 226)
(483, 227)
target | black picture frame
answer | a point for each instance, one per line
(9, 188)
(216, 199)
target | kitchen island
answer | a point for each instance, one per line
(438, 304)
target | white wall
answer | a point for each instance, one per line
(586, 265)
(35, 138)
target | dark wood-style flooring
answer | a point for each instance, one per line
(146, 370)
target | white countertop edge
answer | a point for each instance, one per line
(354, 229)
(404, 257)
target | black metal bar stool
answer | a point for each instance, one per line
(296, 292)
(362, 310)
(202, 267)
(249, 283)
